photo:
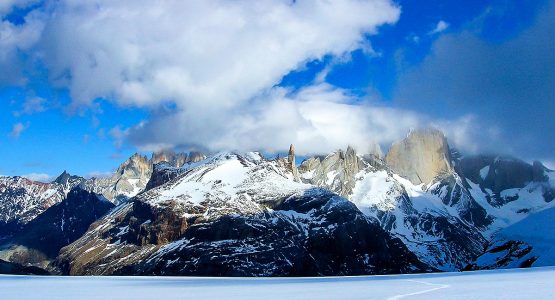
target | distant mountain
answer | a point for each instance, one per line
(422, 207)
(17, 269)
(132, 176)
(22, 200)
(40, 240)
(444, 207)
(237, 215)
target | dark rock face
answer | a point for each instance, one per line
(41, 239)
(22, 200)
(306, 235)
(162, 173)
(17, 269)
(68, 181)
(456, 195)
(509, 252)
(63, 223)
(149, 225)
(501, 173)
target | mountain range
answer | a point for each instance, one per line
(421, 207)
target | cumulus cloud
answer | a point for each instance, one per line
(204, 54)
(215, 61)
(16, 39)
(507, 86)
(207, 70)
(17, 129)
(317, 119)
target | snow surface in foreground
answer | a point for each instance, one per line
(535, 283)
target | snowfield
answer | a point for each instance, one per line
(534, 283)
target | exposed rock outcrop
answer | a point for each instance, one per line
(22, 200)
(336, 171)
(17, 269)
(421, 157)
(500, 175)
(40, 240)
(133, 175)
(68, 181)
(291, 163)
(237, 215)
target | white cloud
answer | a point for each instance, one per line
(32, 105)
(17, 129)
(38, 177)
(15, 39)
(215, 60)
(218, 61)
(6, 6)
(441, 26)
(318, 119)
(198, 54)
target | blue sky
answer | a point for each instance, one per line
(56, 116)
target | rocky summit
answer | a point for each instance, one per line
(421, 157)
(423, 207)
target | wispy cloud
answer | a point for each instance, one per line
(42, 177)
(32, 105)
(441, 26)
(99, 174)
(17, 129)
(118, 136)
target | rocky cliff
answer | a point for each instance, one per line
(421, 157)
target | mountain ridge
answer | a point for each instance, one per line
(443, 209)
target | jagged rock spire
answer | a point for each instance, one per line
(291, 155)
(291, 163)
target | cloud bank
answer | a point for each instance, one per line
(207, 70)
(507, 86)
(216, 63)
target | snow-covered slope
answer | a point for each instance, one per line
(432, 230)
(446, 222)
(22, 200)
(39, 241)
(237, 214)
(188, 214)
(535, 283)
(530, 242)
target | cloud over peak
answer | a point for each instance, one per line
(197, 53)
(215, 61)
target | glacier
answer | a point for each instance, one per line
(532, 283)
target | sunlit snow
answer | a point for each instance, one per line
(535, 283)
